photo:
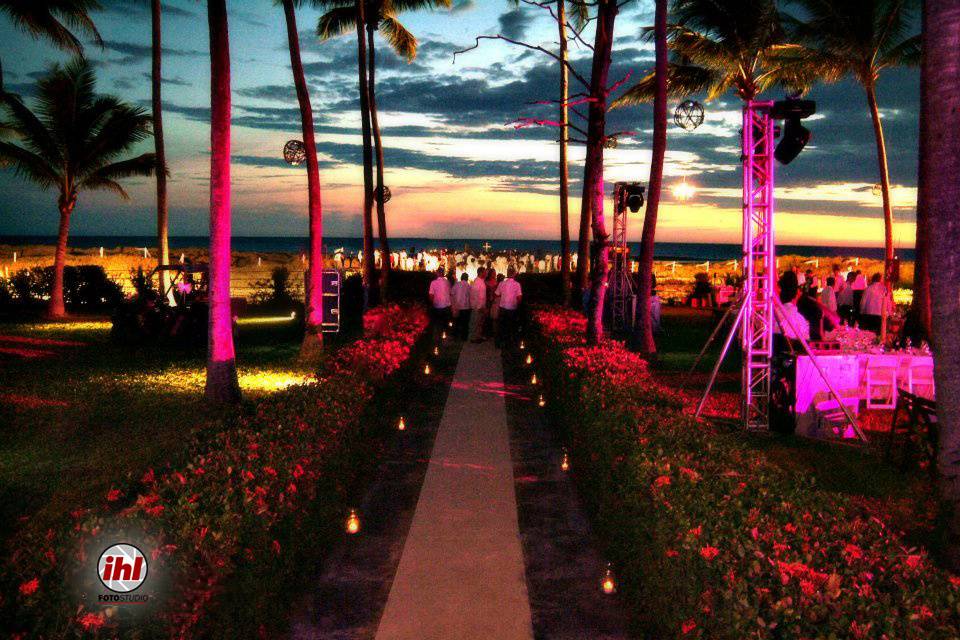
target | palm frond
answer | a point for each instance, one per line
(46, 20)
(904, 54)
(579, 12)
(105, 177)
(23, 124)
(401, 40)
(682, 80)
(121, 128)
(401, 6)
(29, 165)
(336, 22)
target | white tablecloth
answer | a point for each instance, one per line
(847, 375)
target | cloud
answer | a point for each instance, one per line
(513, 24)
(134, 53)
(126, 7)
(462, 6)
(176, 82)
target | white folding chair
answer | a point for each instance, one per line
(881, 375)
(919, 379)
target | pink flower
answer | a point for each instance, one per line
(913, 561)
(709, 553)
(29, 587)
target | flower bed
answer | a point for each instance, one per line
(258, 495)
(711, 539)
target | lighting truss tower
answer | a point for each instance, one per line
(759, 269)
(621, 290)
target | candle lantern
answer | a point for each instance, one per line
(541, 402)
(401, 426)
(529, 358)
(609, 584)
(426, 369)
(353, 522)
(565, 461)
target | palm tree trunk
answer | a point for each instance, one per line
(920, 307)
(222, 386)
(885, 189)
(593, 168)
(583, 247)
(156, 78)
(378, 147)
(940, 200)
(564, 167)
(367, 269)
(313, 337)
(644, 325)
(56, 308)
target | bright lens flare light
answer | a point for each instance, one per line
(609, 585)
(684, 191)
(353, 522)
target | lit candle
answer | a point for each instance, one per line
(426, 369)
(353, 522)
(541, 402)
(529, 358)
(443, 336)
(533, 379)
(565, 462)
(522, 347)
(609, 584)
(436, 351)
(401, 426)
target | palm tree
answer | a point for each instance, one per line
(156, 82)
(53, 20)
(71, 142)
(644, 324)
(724, 45)
(222, 386)
(940, 199)
(592, 199)
(378, 15)
(313, 338)
(861, 38)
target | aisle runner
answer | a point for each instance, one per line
(461, 574)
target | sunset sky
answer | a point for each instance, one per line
(457, 169)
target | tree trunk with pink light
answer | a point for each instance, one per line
(885, 192)
(644, 322)
(564, 167)
(222, 386)
(367, 220)
(940, 199)
(593, 169)
(313, 338)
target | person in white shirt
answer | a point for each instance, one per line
(478, 305)
(439, 304)
(828, 297)
(508, 296)
(789, 322)
(460, 304)
(875, 298)
(845, 306)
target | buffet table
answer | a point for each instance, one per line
(847, 374)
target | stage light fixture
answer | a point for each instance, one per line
(795, 135)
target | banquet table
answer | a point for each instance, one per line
(847, 374)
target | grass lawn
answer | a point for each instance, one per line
(78, 413)
(907, 498)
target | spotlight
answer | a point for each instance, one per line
(632, 195)
(795, 135)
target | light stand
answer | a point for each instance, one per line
(757, 306)
(627, 197)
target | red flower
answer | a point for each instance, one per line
(113, 495)
(688, 626)
(807, 587)
(709, 553)
(91, 621)
(147, 477)
(913, 561)
(276, 547)
(29, 587)
(662, 481)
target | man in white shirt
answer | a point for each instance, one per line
(439, 304)
(478, 305)
(828, 296)
(875, 297)
(460, 304)
(789, 322)
(508, 295)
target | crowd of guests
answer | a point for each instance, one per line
(478, 309)
(811, 311)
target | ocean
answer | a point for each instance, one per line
(681, 251)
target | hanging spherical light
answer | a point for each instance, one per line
(688, 115)
(877, 190)
(382, 194)
(294, 152)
